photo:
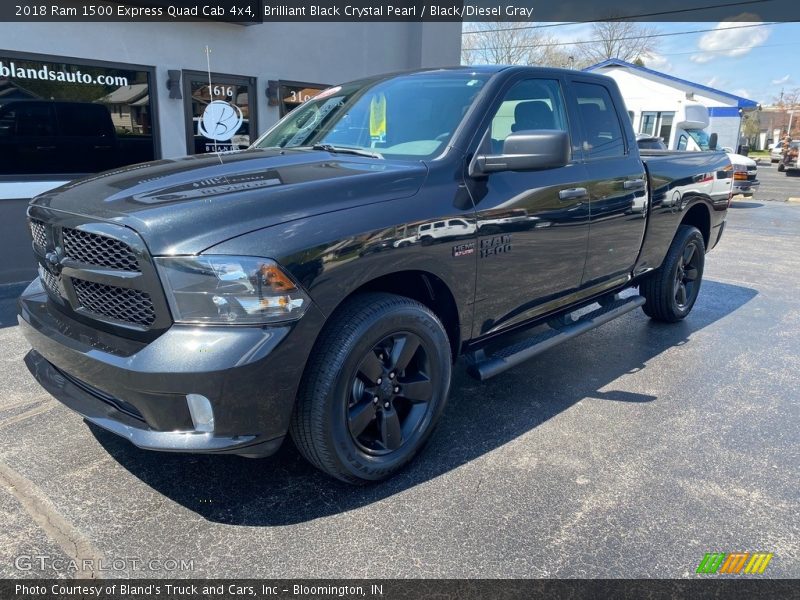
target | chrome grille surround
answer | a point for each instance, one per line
(100, 250)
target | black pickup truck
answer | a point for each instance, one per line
(323, 282)
(51, 137)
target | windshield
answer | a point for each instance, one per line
(409, 116)
(700, 137)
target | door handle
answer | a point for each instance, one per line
(634, 184)
(45, 147)
(572, 193)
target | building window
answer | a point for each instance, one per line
(219, 114)
(70, 117)
(657, 124)
(293, 93)
(665, 126)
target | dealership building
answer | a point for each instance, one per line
(654, 99)
(128, 92)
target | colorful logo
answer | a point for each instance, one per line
(733, 563)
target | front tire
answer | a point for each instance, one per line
(374, 388)
(672, 289)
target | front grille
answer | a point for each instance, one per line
(99, 250)
(122, 304)
(99, 271)
(50, 282)
(38, 233)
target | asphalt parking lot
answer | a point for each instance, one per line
(628, 452)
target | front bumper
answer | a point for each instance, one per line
(746, 188)
(138, 390)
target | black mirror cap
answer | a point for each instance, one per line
(530, 150)
(712, 141)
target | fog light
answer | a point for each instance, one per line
(201, 411)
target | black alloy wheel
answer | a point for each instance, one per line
(374, 388)
(687, 276)
(671, 290)
(390, 395)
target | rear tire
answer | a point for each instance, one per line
(781, 167)
(672, 289)
(374, 388)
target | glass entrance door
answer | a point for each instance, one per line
(220, 114)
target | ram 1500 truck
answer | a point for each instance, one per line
(219, 303)
(61, 138)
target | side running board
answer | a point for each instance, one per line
(561, 330)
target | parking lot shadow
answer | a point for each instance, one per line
(479, 418)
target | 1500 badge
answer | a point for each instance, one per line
(500, 244)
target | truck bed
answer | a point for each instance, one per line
(675, 179)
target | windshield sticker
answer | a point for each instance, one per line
(300, 137)
(377, 117)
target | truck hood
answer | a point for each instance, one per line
(186, 205)
(741, 160)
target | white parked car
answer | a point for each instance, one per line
(427, 232)
(745, 174)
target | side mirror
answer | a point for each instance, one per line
(712, 141)
(526, 151)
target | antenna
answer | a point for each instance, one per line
(210, 86)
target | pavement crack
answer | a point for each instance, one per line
(41, 509)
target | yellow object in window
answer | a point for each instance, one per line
(377, 117)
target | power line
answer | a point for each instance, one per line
(625, 18)
(727, 49)
(637, 37)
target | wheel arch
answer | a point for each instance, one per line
(424, 287)
(699, 216)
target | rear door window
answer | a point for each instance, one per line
(83, 120)
(601, 131)
(30, 120)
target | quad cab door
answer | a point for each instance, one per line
(616, 185)
(533, 226)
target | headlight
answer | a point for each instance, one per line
(240, 290)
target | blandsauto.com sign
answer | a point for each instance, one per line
(45, 73)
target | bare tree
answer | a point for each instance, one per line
(619, 39)
(498, 43)
(788, 113)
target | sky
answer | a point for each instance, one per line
(753, 62)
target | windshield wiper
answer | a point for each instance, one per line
(345, 150)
